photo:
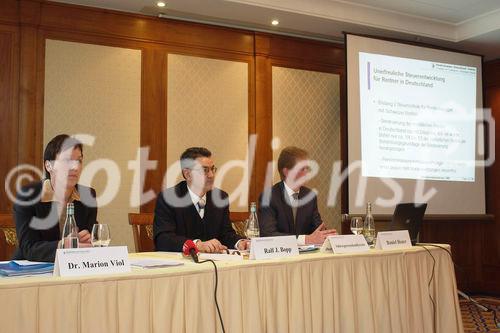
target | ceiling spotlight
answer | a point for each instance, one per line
(275, 22)
(161, 4)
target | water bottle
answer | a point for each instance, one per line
(369, 225)
(253, 223)
(70, 230)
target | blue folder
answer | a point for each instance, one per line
(12, 268)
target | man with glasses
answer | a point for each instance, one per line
(289, 208)
(193, 209)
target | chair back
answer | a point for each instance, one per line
(238, 221)
(142, 228)
(8, 237)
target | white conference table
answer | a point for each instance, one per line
(375, 291)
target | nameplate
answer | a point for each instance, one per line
(91, 261)
(348, 243)
(391, 240)
(273, 247)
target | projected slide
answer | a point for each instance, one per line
(418, 118)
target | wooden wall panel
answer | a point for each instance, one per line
(9, 76)
(302, 53)
(9, 11)
(154, 100)
(491, 240)
(491, 77)
(252, 126)
(263, 120)
(144, 28)
(30, 125)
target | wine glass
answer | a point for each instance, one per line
(100, 235)
(356, 225)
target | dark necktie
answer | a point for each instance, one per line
(295, 203)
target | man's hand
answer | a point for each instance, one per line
(244, 244)
(210, 246)
(319, 235)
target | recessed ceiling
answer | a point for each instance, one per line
(469, 25)
(452, 11)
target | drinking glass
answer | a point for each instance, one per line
(356, 225)
(100, 235)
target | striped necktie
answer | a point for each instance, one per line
(201, 207)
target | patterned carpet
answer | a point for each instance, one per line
(476, 320)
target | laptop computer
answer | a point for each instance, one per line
(409, 216)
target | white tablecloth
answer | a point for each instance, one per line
(376, 291)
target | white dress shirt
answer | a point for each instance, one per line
(195, 198)
(301, 239)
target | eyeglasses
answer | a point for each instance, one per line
(206, 170)
(68, 161)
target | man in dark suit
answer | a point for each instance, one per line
(289, 208)
(193, 209)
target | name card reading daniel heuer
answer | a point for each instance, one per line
(273, 247)
(348, 243)
(391, 240)
(91, 261)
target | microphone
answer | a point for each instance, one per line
(190, 249)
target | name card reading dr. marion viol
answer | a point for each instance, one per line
(91, 261)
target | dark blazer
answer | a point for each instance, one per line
(276, 216)
(177, 219)
(41, 245)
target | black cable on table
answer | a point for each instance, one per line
(215, 292)
(429, 284)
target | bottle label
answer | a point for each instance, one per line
(70, 242)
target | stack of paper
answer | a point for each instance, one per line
(308, 248)
(154, 263)
(25, 268)
(220, 256)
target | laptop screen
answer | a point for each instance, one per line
(409, 216)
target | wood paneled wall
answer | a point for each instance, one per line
(26, 24)
(9, 78)
(491, 233)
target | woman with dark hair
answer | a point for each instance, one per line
(40, 207)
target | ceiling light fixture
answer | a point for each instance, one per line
(161, 4)
(275, 22)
